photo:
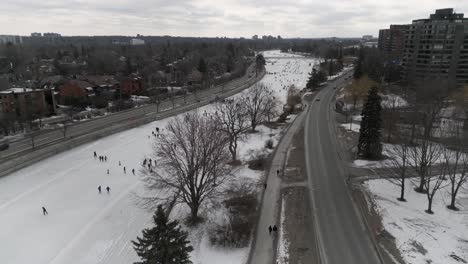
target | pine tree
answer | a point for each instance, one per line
(165, 243)
(369, 145)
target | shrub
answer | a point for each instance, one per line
(269, 144)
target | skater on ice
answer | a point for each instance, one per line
(107, 189)
(99, 188)
(44, 211)
(133, 171)
(125, 170)
(95, 155)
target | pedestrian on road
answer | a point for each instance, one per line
(275, 228)
(270, 229)
(133, 171)
(125, 170)
(44, 211)
(107, 189)
(99, 189)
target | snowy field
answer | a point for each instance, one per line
(84, 226)
(420, 237)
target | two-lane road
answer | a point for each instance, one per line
(342, 237)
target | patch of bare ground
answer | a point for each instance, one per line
(388, 249)
(295, 170)
(298, 226)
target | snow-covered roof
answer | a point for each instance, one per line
(18, 90)
(452, 112)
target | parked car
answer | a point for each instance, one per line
(4, 144)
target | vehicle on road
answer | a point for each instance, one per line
(318, 99)
(4, 144)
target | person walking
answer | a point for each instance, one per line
(275, 228)
(270, 229)
(44, 211)
(107, 171)
(133, 171)
(277, 172)
(105, 158)
(108, 189)
(95, 154)
(99, 189)
(120, 163)
(125, 170)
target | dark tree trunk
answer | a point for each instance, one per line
(402, 193)
(429, 206)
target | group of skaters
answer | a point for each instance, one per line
(155, 133)
(100, 190)
(101, 158)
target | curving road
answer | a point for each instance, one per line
(342, 237)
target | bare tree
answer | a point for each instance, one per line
(456, 164)
(391, 116)
(400, 163)
(421, 158)
(232, 119)
(272, 105)
(191, 158)
(255, 102)
(432, 184)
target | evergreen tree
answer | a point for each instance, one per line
(202, 67)
(165, 243)
(358, 72)
(369, 145)
(315, 79)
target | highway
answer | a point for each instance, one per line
(48, 137)
(342, 237)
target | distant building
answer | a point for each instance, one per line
(13, 39)
(52, 35)
(23, 103)
(367, 37)
(392, 42)
(131, 86)
(137, 42)
(36, 34)
(437, 47)
(255, 37)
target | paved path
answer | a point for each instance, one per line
(341, 235)
(263, 247)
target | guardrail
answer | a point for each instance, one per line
(27, 157)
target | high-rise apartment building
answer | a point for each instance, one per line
(392, 42)
(437, 48)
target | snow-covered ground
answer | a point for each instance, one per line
(84, 226)
(420, 237)
(393, 101)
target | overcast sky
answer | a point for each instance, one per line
(211, 18)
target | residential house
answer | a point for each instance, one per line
(23, 103)
(131, 86)
(450, 122)
(75, 90)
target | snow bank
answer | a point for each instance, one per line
(423, 238)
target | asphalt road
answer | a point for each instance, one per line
(342, 237)
(47, 137)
